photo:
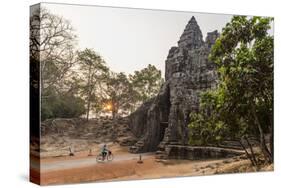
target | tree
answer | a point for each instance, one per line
(146, 82)
(242, 104)
(62, 105)
(120, 94)
(52, 42)
(52, 51)
(93, 72)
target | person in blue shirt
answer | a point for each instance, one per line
(104, 151)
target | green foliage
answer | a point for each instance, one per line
(93, 72)
(75, 82)
(147, 82)
(242, 104)
(125, 93)
(120, 94)
(62, 106)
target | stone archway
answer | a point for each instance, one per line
(188, 72)
(154, 122)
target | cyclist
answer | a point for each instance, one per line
(104, 151)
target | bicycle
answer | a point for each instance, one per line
(109, 157)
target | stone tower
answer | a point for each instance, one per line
(163, 121)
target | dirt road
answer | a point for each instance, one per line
(83, 162)
(125, 167)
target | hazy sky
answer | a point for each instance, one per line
(130, 39)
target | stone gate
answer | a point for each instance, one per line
(162, 121)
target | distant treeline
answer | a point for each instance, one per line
(79, 82)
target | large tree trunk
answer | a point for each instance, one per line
(88, 109)
(247, 153)
(89, 91)
(114, 111)
(115, 107)
(41, 84)
(271, 138)
(263, 146)
(113, 114)
(252, 151)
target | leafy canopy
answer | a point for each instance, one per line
(243, 99)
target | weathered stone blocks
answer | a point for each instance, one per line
(164, 120)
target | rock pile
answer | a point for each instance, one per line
(58, 135)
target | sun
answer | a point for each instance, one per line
(108, 106)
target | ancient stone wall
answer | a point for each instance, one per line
(197, 153)
(164, 120)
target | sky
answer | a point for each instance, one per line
(130, 39)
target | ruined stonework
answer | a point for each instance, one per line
(163, 121)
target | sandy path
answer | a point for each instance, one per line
(84, 168)
(82, 162)
(125, 167)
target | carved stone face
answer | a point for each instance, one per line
(188, 73)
